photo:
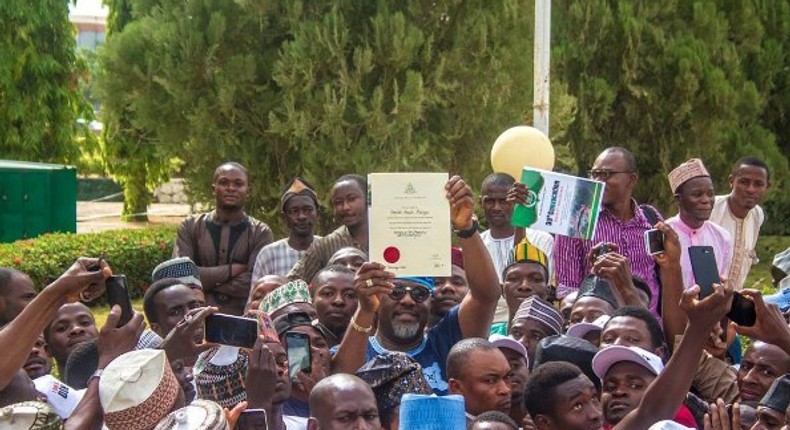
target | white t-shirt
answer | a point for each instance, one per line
(499, 250)
(295, 423)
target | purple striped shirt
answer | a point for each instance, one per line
(570, 255)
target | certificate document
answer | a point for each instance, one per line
(409, 223)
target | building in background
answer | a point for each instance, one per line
(90, 20)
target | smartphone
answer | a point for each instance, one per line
(654, 241)
(252, 419)
(703, 264)
(742, 311)
(231, 330)
(603, 249)
(299, 356)
(117, 294)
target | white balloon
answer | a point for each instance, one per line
(519, 147)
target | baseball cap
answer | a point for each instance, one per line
(501, 341)
(581, 329)
(608, 357)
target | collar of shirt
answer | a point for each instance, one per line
(638, 218)
(235, 220)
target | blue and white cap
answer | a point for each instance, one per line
(182, 268)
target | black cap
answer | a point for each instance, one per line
(286, 322)
(570, 350)
(595, 286)
(778, 396)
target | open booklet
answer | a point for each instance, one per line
(559, 204)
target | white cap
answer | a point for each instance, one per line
(668, 425)
(609, 356)
(508, 342)
(579, 330)
(198, 415)
(137, 390)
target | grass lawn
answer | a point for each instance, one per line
(100, 311)
(760, 274)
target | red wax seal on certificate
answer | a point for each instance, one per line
(391, 254)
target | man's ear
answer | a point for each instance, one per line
(730, 179)
(455, 386)
(312, 424)
(156, 328)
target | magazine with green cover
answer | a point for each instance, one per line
(559, 204)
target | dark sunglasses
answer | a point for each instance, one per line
(418, 294)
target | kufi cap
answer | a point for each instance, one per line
(425, 281)
(297, 187)
(149, 339)
(285, 323)
(507, 342)
(457, 256)
(182, 268)
(536, 309)
(198, 415)
(782, 262)
(570, 350)
(526, 252)
(346, 250)
(581, 329)
(692, 168)
(780, 299)
(778, 396)
(137, 390)
(609, 356)
(29, 416)
(220, 374)
(424, 412)
(391, 375)
(595, 286)
(669, 425)
(291, 292)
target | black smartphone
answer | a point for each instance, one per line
(654, 241)
(231, 330)
(703, 264)
(299, 356)
(603, 249)
(117, 294)
(742, 311)
(252, 419)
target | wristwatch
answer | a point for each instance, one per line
(97, 374)
(466, 234)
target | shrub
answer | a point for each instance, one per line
(132, 252)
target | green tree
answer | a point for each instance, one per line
(324, 88)
(664, 79)
(43, 116)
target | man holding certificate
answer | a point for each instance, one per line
(403, 303)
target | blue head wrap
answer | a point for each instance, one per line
(424, 281)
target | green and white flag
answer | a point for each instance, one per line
(559, 204)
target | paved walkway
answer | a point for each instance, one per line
(99, 216)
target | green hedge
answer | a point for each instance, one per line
(132, 252)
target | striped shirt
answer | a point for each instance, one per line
(570, 254)
(709, 234)
(276, 258)
(319, 253)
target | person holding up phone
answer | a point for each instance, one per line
(693, 189)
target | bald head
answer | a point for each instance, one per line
(343, 401)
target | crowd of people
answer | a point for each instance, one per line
(528, 331)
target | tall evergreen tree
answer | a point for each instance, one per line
(40, 99)
(664, 79)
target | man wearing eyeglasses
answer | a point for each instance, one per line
(622, 222)
(403, 305)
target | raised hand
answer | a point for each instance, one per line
(180, 342)
(262, 376)
(517, 194)
(770, 326)
(672, 249)
(115, 341)
(80, 282)
(704, 313)
(370, 282)
(462, 203)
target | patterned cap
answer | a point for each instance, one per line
(297, 187)
(536, 309)
(182, 268)
(457, 256)
(595, 286)
(29, 416)
(199, 415)
(692, 168)
(292, 292)
(391, 375)
(570, 350)
(220, 375)
(424, 412)
(422, 280)
(778, 396)
(525, 252)
(137, 390)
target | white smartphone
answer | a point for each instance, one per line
(654, 242)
